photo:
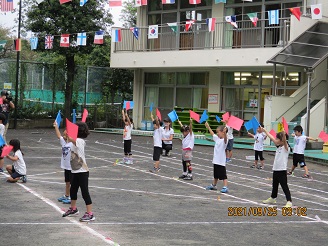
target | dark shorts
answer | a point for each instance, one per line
(15, 174)
(230, 145)
(259, 154)
(298, 158)
(68, 175)
(166, 147)
(220, 172)
(127, 147)
(157, 153)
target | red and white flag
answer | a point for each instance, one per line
(139, 3)
(64, 40)
(211, 24)
(195, 1)
(64, 1)
(115, 3)
(189, 24)
(99, 37)
(7, 5)
(48, 42)
(316, 11)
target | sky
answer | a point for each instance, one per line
(8, 19)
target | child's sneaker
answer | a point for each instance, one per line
(270, 200)
(290, 173)
(24, 179)
(224, 189)
(188, 177)
(211, 187)
(288, 204)
(87, 217)
(71, 212)
(307, 176)
(260, 167)
(182, 176)
(64, 197)
(67, 200)
(253, 166)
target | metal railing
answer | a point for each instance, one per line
(199, 38)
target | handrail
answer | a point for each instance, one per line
(312, 88)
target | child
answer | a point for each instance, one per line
(2, 130)
(230, 142)
(219, 157)
(167, 137)
(279, 168)
(188, 142)
(17, 171)
(80, 174)
(258, 146)
(298, 151)
(65, 163)
(127, 137)
(157, 136)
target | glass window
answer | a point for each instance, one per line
(170, 6)
(154, 5)
(151, 96)
(184, 97)
(167, 78)
(152, 78)
(200, 98)
(154, 19)
(165, 99)
(231, 78)
(169, 17)
(198, 78)
(183, 78)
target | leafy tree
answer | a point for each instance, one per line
(51, 17)
(129, 14)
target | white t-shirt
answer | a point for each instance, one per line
(19, 165)
(158, 133)
(188, 141)
(281, 159)
(219, 157)
(79, 149)
(299, 144)
(167, 134)
(230, 132)
(65, 162)
(259, 139)
(127, 132)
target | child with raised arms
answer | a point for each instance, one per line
(17, 170)
(2, 130)
(279, 168)
(65, 163)
(219, 157)
(128, 126)
(188, 143)
(157, 137)
(258, 146)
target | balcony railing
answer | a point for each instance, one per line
(198, 37)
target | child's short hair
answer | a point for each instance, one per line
(298, 128)
(279, 136)
(83, 130)
(221, 129)
(2, 117)
(184, 128)
(15, 143)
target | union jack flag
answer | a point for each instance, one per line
(49, 42)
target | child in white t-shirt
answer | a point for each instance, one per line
(17, 171)
(298, 151)
(230, 141)
(219, 157)
(279, 168)
(65, 163)
(157, 137)
(258, 146)
(167, 137)
(2, 130)
(188, 143)
(127, 137)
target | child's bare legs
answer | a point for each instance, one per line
(255, 163)
(11, 180)
(9, 169)
(306, 170)
(215, 181)
(156, 164)
(89, 208)
(1, 163)
(262, 163)
(225, 182)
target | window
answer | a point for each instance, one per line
(152, 78)
(165, 97)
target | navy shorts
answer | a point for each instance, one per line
(15, 174)
(230, 145)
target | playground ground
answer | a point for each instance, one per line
(136, 207)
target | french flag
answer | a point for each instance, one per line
(99, 37)
(116, 35)
(211, 24)
(168, 1)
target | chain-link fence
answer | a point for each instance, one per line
(41, 92)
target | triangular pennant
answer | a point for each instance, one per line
(297, 12)
(173, 26)
(253, 17)
(135, 31)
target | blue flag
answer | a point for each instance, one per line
(217, 118)
(204, 117)
(2, 141)
(173, 115)
(151, 107)
(74, 116)
(58, 119)
(128, 105)
(273, 17)
(252, 124)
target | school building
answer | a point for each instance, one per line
(270, 68)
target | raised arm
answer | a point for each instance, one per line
(190, 126)
(270, 136)
(57, 130)
(123, 115)
(128, 118)
(284, 140)
(180, 123)
(209, 128)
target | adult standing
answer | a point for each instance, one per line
(6, 104)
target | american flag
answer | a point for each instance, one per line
(7, 5)
(49, 42)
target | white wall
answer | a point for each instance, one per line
(214, 88)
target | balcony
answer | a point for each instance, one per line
(225, 36)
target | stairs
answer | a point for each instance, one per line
(298, 117)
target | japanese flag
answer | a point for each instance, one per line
(316, 11)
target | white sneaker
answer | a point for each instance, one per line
(270, 200)
(288, 204)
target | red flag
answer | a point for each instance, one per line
(17, 44)
(297, 12)
(64, 1)
(6, 150)
(84, 115)
(194, 116)
(285, 125)
(195, 1)
(188, 24)
(115, 3)
(235, 122)
(64, 40)
(324, 136)
(273, 133)
(225, 116)
(158, 114)
(71, 129)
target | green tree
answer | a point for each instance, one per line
(52, 18)
(129, 14)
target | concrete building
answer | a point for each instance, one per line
(229, 69)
